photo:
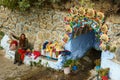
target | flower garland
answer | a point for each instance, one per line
(80, 18)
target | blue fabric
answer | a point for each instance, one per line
(81, 44)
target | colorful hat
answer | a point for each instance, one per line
(104, 38)
(104, 28)
(90, 13)
(68, 29)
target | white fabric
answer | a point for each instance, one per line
(107, 62)
(4, 43)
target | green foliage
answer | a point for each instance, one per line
(86, 3)
(35, 64)
(25, 4)
(67, 63)
(12, 4)
(75, 63)
(97, 62)
(1, 48)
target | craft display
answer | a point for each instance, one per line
(52, 49)
(81, 20)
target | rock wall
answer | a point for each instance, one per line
(45, 24)
(38, 25)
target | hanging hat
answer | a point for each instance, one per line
(68, 29)
(90, 13)
(74, 11)
(103, 46)
(65, 38)
(81, 11)
(104, 28)
(104, 38)
(100, 16)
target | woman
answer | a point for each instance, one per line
(21, 50)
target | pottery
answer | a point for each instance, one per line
(66, 70)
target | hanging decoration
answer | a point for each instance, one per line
(81, 20)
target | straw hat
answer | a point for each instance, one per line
(68, 29)
(75, 11)
(100, 16)
(104, 38)
(104, 28)
(103, 46)
(90, 13)
(81, 11)
(65, 38)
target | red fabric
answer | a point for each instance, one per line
(36, 54)
(104, 78)
(14, 42)
(22, 53)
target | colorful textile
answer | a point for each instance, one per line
(36, 54)
(22, 53)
